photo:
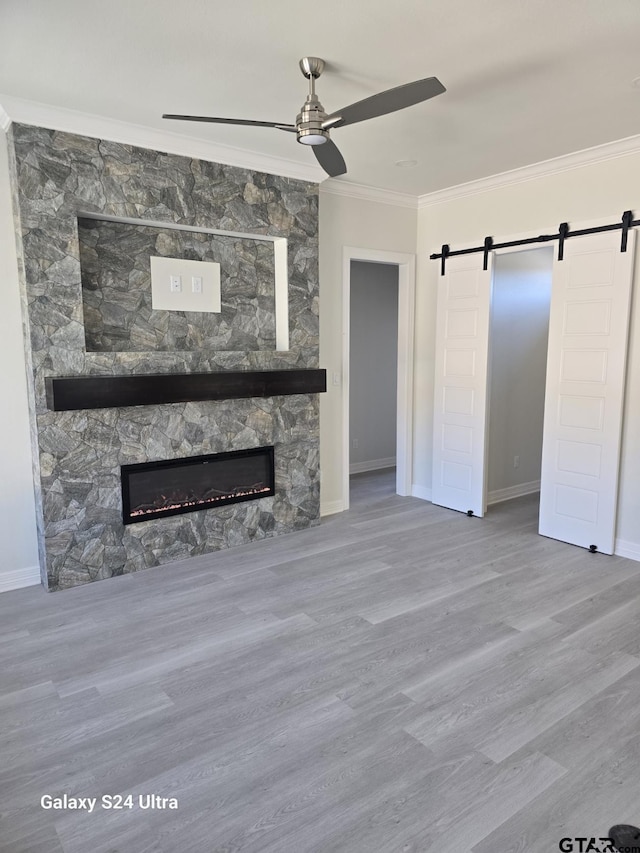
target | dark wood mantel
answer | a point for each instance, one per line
(65, 393)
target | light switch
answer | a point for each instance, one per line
(178, 284)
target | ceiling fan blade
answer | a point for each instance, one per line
(386, 102)
(279, 125)
(330, 158)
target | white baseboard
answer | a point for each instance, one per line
(331, 507)
(16, 579)
(372, 465)
(422, 492)
(510, 492)
(630, 550)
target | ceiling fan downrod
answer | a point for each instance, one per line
(309, 129)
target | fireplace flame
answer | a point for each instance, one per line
(164, 503)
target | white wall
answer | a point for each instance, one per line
(18, 548)
(346, 221)
(519, 333)
(599, 191)
(373, 369)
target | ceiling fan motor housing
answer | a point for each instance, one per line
(309, 129)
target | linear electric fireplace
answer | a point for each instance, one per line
(154, 489)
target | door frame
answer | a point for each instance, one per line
(406, 323)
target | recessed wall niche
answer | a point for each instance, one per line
(116, 290)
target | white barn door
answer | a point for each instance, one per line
(460, 405)
(586, 362)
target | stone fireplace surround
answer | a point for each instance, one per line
(77, 455)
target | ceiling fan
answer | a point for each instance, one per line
(313, 123)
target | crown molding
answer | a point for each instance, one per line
(5, 121)
(360, 191)
(545, 168)
(22, 111)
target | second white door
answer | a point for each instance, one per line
(586, 365)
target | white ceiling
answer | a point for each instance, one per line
(527, 80)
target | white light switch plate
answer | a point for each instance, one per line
(164, 297)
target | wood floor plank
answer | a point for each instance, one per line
(399, 679)
(23, 831)
(586, 802)
(513, 786)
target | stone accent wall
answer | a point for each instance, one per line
(58, 177)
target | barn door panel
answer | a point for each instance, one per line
(586, 362)
(460, 405)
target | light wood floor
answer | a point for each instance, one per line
(401, 678)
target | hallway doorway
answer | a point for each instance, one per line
(373, 367)
(405, 266)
